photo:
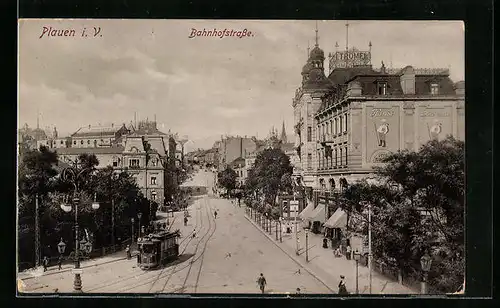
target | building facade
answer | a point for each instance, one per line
(143, 151)
(346, 123)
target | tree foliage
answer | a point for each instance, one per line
(227, 178)
(269, 175)
(39, 175)
(417, 205)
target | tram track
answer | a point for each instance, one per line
(210, 233)
(190, 236)
(135, 276)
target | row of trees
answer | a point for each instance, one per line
(417, 202)
(39, 176)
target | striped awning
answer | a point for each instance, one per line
(308, 210)
(318, 214)
(338, 219)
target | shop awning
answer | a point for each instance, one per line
(318, 214)
(308, 210)
(338, 219)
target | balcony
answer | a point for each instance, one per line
(326, 139)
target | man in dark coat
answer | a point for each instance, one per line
(342, 287)
(261, 281)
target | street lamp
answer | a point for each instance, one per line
(139, 215)
(357, 257)
(281, 230)
(365, 203)
(307, 244)
(133, 221)
(73, 176)
(425, 262)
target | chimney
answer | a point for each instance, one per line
(89, 126)
(112, 124)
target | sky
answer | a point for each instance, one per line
(201, 87)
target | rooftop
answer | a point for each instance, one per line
(77, 151)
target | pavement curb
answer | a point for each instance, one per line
(304, 266)
(70, 269)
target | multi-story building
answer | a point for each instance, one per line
(231, 147)
(347, 122)
(143, 151)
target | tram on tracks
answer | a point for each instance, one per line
(157, 248)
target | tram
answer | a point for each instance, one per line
(157, 248)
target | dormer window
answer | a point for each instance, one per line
(382, 88)
(434, 89)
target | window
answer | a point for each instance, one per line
(336, 157)
(81, 142)
(309, 134)
(62, 142)
(153, 195)
(346, 156)
(154, 162)
(382, 88)
(336, 126)
(434, 89)
(309, 161)
(133, 163)
(153, 180)
(115, 164)
(340, 155)
(346, 121)
(74, 142)
(341, 120)
(88, 141)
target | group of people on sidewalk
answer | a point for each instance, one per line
(46, 262)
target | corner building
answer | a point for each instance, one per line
(347, 122)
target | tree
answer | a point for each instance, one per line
(418, 204)
(269, 175)
(227, 178)
(36, 176)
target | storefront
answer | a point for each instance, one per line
(317, 218)
(334, 226)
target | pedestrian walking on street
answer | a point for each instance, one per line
(348, 252)
(342, 287)
(59, 262)
(194, 233)
(45, 263)
(261, 281)
(297, 291)
(215, 214)
(127, 250)
(185, 221)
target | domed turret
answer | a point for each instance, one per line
(306, 68)
(317, 54)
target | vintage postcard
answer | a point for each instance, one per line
(241, 157)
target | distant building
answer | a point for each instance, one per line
(231, 147)
(238, 165)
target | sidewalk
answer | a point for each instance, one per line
(54, 269)
(328, 268)
(174, 223)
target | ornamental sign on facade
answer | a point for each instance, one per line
(349, 58)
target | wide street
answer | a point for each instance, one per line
(226, 256)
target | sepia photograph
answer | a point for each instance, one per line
(240, 157)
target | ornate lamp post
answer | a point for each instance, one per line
(357, 257)
(61, 247)
(425, 262)
(73, 176)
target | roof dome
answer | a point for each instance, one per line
(317, 54)
(307, 67)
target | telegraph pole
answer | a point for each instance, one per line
(37, 234)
